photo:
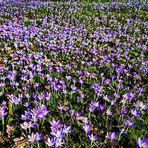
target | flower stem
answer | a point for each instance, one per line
(3, 123)
(38, 144)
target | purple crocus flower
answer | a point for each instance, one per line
(32, 137)
(40, 112)
(35, 137)
(142, 143)
(93, 137)
(87, 128)
(66, 129)
(117, 95)
(24, 125)
(26, 116)
(120, 69)
(95, 104)
(71, 112)
(55, 125)
(91, 108)
(129, 122)
(135, 113)
(27, 104)
(123, 111)
(113, 136)
(102, 107)
(30, 124)
(34, 119)
(38, 136)
(3, 112)
(68, 77)
(141, 105)
(57, 133)
(80, 73)
(59, 142)
(106, 81)
(50, 142)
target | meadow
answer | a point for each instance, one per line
(73, 74)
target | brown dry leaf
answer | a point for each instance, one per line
(17, 140)
(20, 142)
(45, 137)
(9, 130)
(1, 66)
(3, 139)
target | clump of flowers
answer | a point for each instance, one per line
(73, 74)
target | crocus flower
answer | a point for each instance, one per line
(142, 143)
(113, 135)
(109, 112)
(102, 108)
(117, 95)
(66, 129)
(30, 124)
(24, 125)
(93, 137)
(59, 142)
(141, 105)
(87, 128)
(34, 119)
(57, 133)
(35, 137)
(26, 116)
(3, 112)
(120, 69)
(27, 104)
(38, 136)
(71, 112)
(50, 142)
(135, 113)
(55, 124)
(91, 108)
(129, 122)
(95, 103)
(123, 111)
(32, 137)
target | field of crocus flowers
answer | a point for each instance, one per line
(73, 74)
